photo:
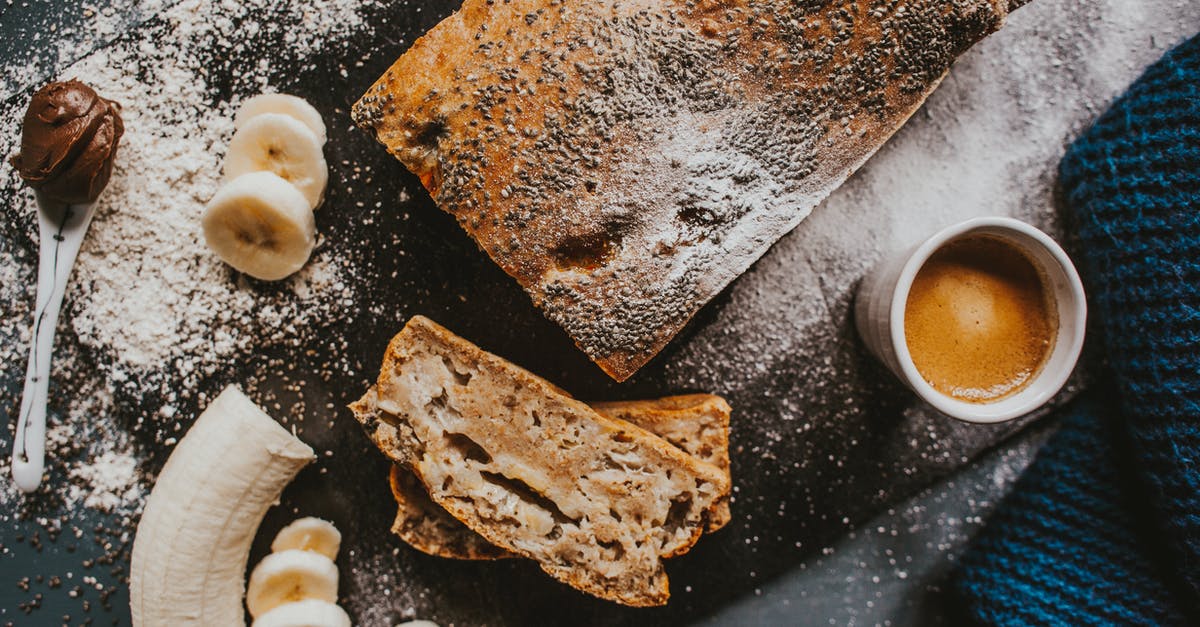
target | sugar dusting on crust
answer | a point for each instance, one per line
(626, 164)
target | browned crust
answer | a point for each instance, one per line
(556, 134)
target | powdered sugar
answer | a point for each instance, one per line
(111, 482)
(157, 300)
(384, 595)
(154, 286)
(90, 459)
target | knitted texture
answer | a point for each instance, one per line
(1134, 184)
(1105, 525)
(1066, 547)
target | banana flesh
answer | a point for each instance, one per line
(309, 534)
(289, 576)
(274, 142)
(193, 542)
(260, 222)
(296, 585)
(261, 225)
(284, 104)
(307, 613)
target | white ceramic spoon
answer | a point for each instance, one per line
(61, 228)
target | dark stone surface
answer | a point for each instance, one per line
(824, 438)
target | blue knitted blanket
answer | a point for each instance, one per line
(1104, 527)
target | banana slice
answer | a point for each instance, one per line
(288, 576)
(290, 106)
(261, 225)
(309, 534)
(278, 143)
(306, 613)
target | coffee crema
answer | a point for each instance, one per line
(980, 320)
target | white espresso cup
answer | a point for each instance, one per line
(883, 297)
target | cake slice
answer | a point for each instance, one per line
(597, 502)
(697, 424)
(625, 160)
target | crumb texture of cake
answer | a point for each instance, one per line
(597, 502)
(425, 526)
(625, 160)
(697, 424)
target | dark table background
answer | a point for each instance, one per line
(862, 444)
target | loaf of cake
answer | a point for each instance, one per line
(597, 502)
(625, 160)
(697, 424)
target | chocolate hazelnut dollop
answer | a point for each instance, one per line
(68, 140)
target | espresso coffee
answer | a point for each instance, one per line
(980, 320)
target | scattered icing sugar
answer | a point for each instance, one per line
(110, 482)
(153, 299)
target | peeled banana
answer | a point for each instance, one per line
(274, 142)
(192, 544)
(261, 225)
(287, 105)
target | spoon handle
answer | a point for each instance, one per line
(61, 231)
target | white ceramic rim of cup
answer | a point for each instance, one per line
(1069, 301)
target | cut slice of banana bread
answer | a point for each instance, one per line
(597, 502)
(698, 424)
